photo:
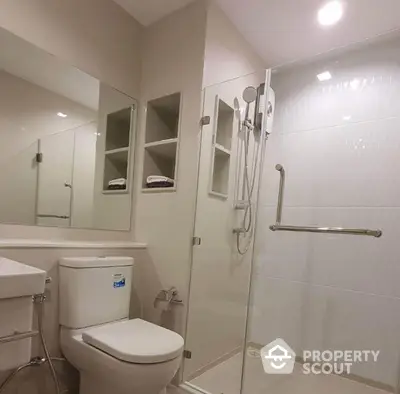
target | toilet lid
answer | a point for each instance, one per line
(136, 341)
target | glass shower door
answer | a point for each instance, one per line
(332, 298)
(220, 276)
(54, 194)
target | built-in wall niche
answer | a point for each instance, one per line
(117, 152)
(221, 148)
(161, 143)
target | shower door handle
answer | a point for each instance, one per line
(311, 229)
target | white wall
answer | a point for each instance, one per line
(339, 143)
(98, 37)
(227, 54)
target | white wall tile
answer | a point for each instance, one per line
(339, 142)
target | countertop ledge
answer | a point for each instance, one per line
(60, 244)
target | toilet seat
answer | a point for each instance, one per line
(135, 341)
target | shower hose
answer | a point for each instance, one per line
(37, 361)
(249, 182)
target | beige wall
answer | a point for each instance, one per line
(98, 37)
(173, 62)
(228, 55)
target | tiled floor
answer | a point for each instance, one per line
(225, 379)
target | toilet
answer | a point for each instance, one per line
(113, 354)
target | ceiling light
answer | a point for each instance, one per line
(330, 13)
(61, 114)
(355, 84)
(325, 76)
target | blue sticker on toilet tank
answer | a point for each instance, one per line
(118, 280)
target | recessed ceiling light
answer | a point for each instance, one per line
(355, 84)
(330, 13)
(61, 114)
(325, 76)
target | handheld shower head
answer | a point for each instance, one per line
(250, 94)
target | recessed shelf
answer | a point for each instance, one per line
(225, 116)
(118, 129)
(164, 148)
(158, 189)
(219, 195)
(220, 150)
(163, 118)
(220, 180)
(117, 149)
(116, 191)
(161, 147)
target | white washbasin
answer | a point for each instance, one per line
(19, 280)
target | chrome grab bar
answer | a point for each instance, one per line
(18, 336)
(328, 230)
(310, 229)
(52, 216)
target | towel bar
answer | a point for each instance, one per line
(310, 229)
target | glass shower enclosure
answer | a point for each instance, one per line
(313, 307)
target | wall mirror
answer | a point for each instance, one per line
(66, 143)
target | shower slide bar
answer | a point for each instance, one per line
(309, 229)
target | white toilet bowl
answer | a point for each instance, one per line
(125, 357)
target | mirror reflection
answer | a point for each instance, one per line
(66, 143)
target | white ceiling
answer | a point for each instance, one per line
(147, 12)
(283, 31)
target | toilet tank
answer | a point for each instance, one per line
(94, 290)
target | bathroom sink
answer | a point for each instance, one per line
(19, 280)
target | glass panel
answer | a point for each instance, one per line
(334, 299)
(55, 180)
(220, 274)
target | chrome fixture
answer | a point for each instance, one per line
(52, 216)
(38, 299)
(171, 296)
(248, 126)
(310, 229)
(18, 336)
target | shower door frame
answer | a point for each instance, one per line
(184, 385)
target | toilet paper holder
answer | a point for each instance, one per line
(171, 296)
